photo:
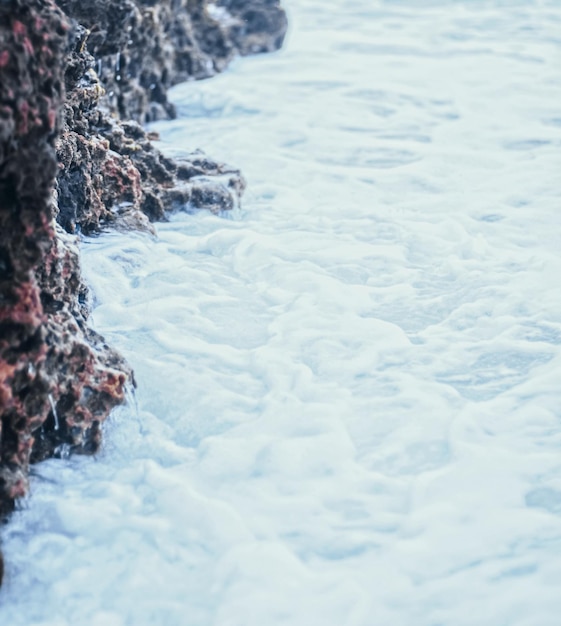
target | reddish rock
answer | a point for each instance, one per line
(73, 158)
(58, 380)
(143, 47)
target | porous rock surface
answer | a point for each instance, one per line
(124, 56)
(142, 47)
(58, 380)
(77, 77)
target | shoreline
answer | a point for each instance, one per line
(77, 79)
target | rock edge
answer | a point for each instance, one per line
(77, 78)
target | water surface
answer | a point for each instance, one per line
(349, 402)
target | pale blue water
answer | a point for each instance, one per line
(349, 400)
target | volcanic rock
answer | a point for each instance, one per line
(58, 380)
(77, 78)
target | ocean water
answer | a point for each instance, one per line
(349, 405)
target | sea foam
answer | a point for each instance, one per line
(348, 394)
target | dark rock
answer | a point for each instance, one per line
(76, 78)
(253, 26)
(122, 57)
(58, 379)
(143, 47)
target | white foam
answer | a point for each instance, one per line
(348, 403)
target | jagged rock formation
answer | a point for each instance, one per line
(76, 77)
(142, 47)
(58, 380)
(124, 56)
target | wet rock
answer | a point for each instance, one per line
(76, 78)
(58, 379)
(122, 58)
(143, 47)
(253, 26)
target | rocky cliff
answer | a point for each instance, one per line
(77, 79)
